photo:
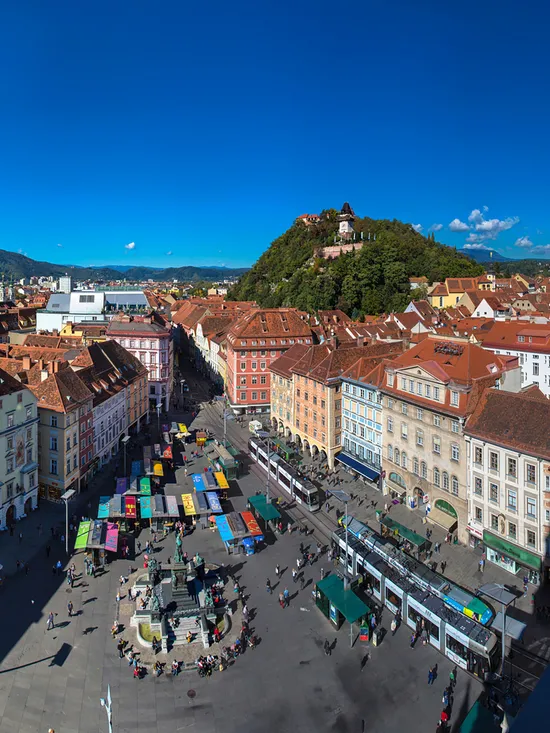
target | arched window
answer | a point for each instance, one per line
(445, 480)
(397, 456)
(423, 469)
(454, 485)
(390, 452)
(437, 477)
(404, 460)
(415, 466)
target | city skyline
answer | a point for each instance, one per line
(193, 138)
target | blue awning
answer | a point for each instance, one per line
(225, 532)
(365, 471)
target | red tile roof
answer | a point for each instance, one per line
(520, 421)
(269, 323)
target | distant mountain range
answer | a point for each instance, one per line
(485, 255)
(17, 266)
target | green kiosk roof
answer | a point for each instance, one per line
(266, 511)
(350, 606)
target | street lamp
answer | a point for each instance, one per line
(66, 497)
(159, 405)
(107, 704)
(124, 442)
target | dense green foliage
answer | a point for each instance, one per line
(529, 268)
(372, 280)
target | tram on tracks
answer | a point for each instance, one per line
(457, 623)
(298, 487)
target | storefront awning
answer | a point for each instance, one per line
(145, 486)
(103, 508)
(82, 535)
(350, 606)
(359, 467)
(521, 556)
(442, 519)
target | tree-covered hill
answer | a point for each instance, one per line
(372, 280)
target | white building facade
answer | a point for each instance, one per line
(110, 423)
(19, 443)
(362, 428)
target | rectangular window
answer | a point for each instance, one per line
(390, 425)
(243, 395)
(254, 395)
(493, 461)
(10, 444)
(11, 420)
(494, 522)
(531, 538)
(263, 379)
(455, 452)
(455, 426)
(263, 396)
(531, 507)
(512, 467)
(478, 456)
(254, 380)
(404, 430)
(254, 365)
(437, 445)
(411, 386)
(437, 421)
(530, 473)
(428, 391)
(390, 403)
(419, 437)
(243, 366)
(512, 531)
(419, 388)
(390, 380)
(436, 393)
(493, 493)
(242, 381)
(53, 467)
(262, 365)
(404, 409)
(478, 486)
(512, 500)
(28, 412)
(419, 414)
(478, 514)
(535, 369)
(9, 465)
(454, 398)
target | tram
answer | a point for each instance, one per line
(298, 487)
(456, 622)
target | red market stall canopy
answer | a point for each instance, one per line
(251, 524)
(130, 507)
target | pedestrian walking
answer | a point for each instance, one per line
(431, 676)
(327, 648)
(452, 678)
(281, 600)
(286, 595)
(138, 546)
(481, 564)
(120, 647)
(443, 566)
(48, 550)
(294, 575)
(50, 623)
(59, 567)
(277, 570)
(70, 608)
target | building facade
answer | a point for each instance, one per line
(429, 391)
(255, 340)
(19, 440)
(148, 338)
(509, 481)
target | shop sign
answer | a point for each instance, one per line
(333, 613)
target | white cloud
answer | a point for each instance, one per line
(541, 249)
(475, 216)
(475, 246)
(60, 245)
(458, 226)
(489, 228)
(169, 253)
(132, 245)
(523, 242)
(417, 227)
(436, 227)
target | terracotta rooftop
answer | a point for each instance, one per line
(520, 421)
(9, 385)
(336, 361)
(507, 334)
(269, 323)
(284, 363)
(62, 391)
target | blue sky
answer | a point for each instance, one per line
(197, 132)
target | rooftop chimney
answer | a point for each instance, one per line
(43, 374)
(26, 363)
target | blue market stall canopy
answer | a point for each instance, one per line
(137, 468)
(103, 509)
(225, 533)
(198, 483)
(146, 510)
(214, 502)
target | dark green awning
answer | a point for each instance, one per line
(407, 534)
(523, 557)
(350, 606)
